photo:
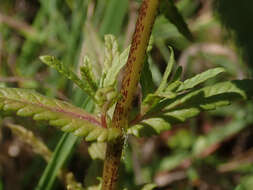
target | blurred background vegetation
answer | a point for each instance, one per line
(211, 152)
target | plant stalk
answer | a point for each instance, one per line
(131, 77)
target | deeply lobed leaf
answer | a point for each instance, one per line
(167, 71)
(117, 64)
(202, 77)
(210, 95)
(97, 150)
(176, 110)
(59, 113)
(149, 127)
(88, 75)
(111, 51)
(87, 86)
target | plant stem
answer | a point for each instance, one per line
(130, 81)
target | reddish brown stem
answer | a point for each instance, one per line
(130, 81)
(103, 121)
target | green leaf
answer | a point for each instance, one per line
(177, 74)
(173, 86)
(176, 110)
(97, 150)
(171, 12)
(62, 152)
(72, 42)
(60, 155)
(240, 187)
(200, 78)
(59, 113)
(152, 99)
(149, 127)
(64, 70)
(146, 80)
(167, 72)
(114, 16)
(175, 81)
(117, 64)
(211, 96)
(88, 75)
(181, 115)
(111, 51)
(163, 48)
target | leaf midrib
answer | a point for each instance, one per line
(88, 118)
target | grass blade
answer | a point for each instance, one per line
(111, 23)
(60, 155)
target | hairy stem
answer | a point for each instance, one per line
(130, 81)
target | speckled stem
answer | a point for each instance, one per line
(130, 81)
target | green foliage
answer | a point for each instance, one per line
(112, 24)
(61, 114)
(111, 51)
(239, 187)
(97, 150)
(59, 157)
(153, 98)
(167, 72)
(88, 75)
(170, 110)
(117, 63)
(61, 153)
(173, 101)
(45, 21)
(89, 87)
(146, 80)
(149, 127)
(199, 78)
(176, 101)
(40, 148)
(113, 63)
